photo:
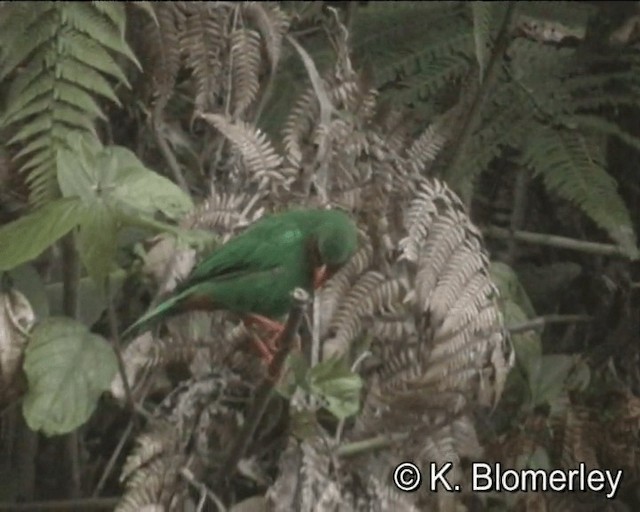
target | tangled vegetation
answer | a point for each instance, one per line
(486, 151)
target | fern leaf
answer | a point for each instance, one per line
(86, 18)
(257, 153)
(245, 52)
(572, 169)
(202, 42)
(65, 59)
(272, 23)
(482, 14)
(164, 50)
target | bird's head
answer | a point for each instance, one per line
(337, 241)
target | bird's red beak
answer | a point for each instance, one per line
(320, 276)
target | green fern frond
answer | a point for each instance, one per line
(400, 38)
(482, 13)
(63, 53)
(572, 168)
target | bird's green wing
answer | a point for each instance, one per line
(274, 241)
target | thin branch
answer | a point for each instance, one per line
(112, 460)
(555, 241)
(261, 399)
(540, 322)
(202, 487)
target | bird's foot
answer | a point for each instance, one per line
(268, 347)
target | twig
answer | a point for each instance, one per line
(229, 465)
(366, 445)
(112, 460)
(555, 241)
(541, 321)
(202, 487)
(78, 504)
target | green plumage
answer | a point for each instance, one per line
(256, 271)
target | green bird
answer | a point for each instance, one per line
(254, 273)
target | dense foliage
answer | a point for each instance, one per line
(487, 151)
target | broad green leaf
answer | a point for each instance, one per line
(338, 386)
(25, 238)
(141, 189)
(548, 378)
(117, 177)
(527, 345)
(67, 370)
(517, 309)
(97, 242)
(91, 299)
(295, 375)
(78, 174)
(510, 288)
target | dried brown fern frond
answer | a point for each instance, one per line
(225, 213)
(245, 61)
(306, 481)
(203, 43)
(578, 436)
(620, 447)
(299, 125)
(162, 47)
(272, 23)
(260, 160)
(190, 423)
(144, 354)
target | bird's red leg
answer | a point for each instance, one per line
(265, 352)
(267, 348)
(264, 322)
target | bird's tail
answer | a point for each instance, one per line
(165, 308)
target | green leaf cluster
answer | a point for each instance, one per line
(57, 58)
(331, 382)
(103, 189)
